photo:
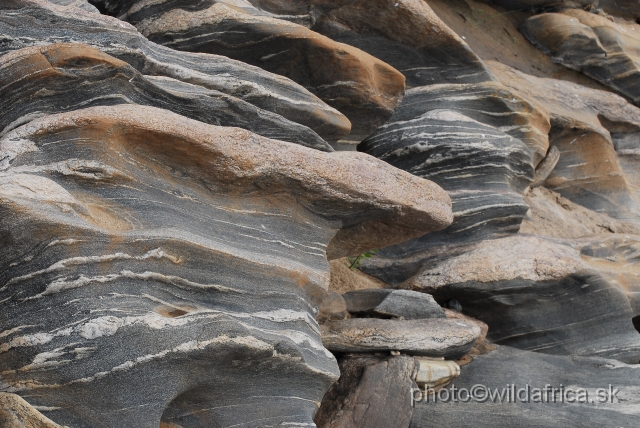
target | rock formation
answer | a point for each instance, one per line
(188, 237)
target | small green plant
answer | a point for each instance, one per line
(354, 262)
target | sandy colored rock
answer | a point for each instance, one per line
(51, 23)
(554, 216)
(344, 279)
(537, 294)
(359, 85)
(435, 337)
(15, 412)
(165, 241)
(592, 44)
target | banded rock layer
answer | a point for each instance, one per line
(25, 23)
(187, 262)
(359, 85)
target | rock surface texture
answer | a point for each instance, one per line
(319, 213)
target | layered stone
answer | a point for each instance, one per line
(180, 257)
(25, 23)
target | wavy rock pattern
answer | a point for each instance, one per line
(499, 370)
(522, 286)
(484, 169)
(25, 23)
(67, 77)
(174, 247)
(359, 85)
(589, 43)
(627, 8)
(596, 134)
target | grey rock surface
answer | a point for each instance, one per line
(603, 50)
(155, 258)
(405, 304)
(66, 77)
(372, 392)
(499, 370)
(538, 295)
(25, 23)
(359, 85)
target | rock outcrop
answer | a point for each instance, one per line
(165, 241)
(359, 85)
(186, 242)
(521, 388)
(603, 50)
(25, 23)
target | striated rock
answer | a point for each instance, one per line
(17, 413)
(406, 34)
(359, 85)
(25, 23)
(372, 392)
(583, 124)
(617, 258)
(405, 304)
(506, 371)
(627, 8)
(483, 169)
(435, 337)
(433, 373)
(534, 294)
(332, 308)
(66, 77)
(164, 242)
(603, 50)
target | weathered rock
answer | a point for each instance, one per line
(435, 134)
(433, 372)
(583, 124)
(552, 215)
(65, 77)
(627, 8)
(344, 279)
(332, 308)
(496, 372)
(534, 294)
(405, 304)
(25, 23)
(372, 392)
(163, 242)
(359, 85)
(406, 34)
(603, 50)
(435, 337)
(15, 412)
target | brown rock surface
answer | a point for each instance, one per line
(372, 392)
(433, 337)
(359, 85)
(15, 412)
(344, 279)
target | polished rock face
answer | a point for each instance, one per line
(359, 85)
(601, 49)
(25, 23)
(506, 366)
(65, 77)
(523, 286)
(172, 251)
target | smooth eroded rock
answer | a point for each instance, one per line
(184, 261)
(25, 23)
(405, 304)
(435, 337)
(372, 392)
